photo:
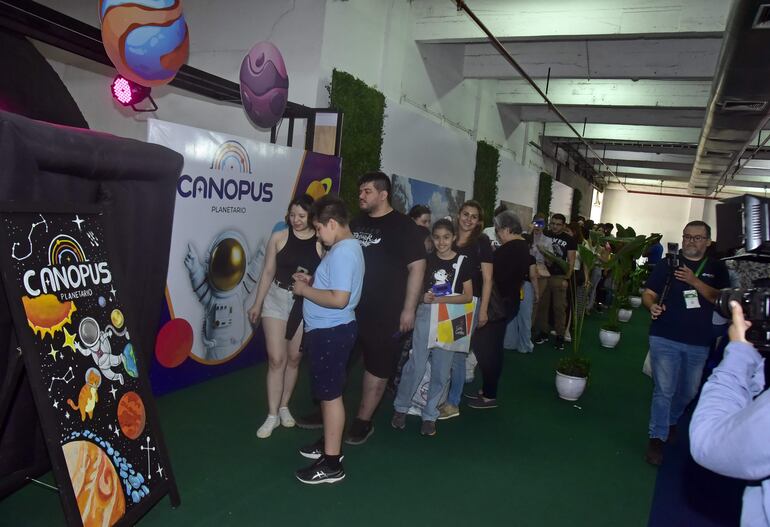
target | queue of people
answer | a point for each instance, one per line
(335, 288)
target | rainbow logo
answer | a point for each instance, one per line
(65, 250)
(231, 155)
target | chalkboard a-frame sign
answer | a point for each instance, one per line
(88, 379)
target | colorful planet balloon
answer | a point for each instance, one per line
(173, 343)
(117, 318)
(264, 85)
(146, 40)
(129, 361)
(131, 415)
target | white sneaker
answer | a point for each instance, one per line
(286, 419)
(567, 336)
(271, 423)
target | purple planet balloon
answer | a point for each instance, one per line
(264, 85)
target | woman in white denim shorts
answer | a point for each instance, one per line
(288, 251)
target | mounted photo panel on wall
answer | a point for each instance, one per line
(89, 383)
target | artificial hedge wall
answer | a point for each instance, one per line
(362, 130)
(485, 178)
(544, 191)
(577, 197)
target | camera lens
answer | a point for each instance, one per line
(723, 300)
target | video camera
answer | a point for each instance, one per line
(744, 222)
(756, 309)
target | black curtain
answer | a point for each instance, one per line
(135, 182)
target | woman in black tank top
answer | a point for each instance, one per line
(288, 251)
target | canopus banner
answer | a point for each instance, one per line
(232, 194)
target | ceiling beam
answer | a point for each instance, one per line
(670, 58)
(609, 92)
(618, 132)
(439, 20)
(688, 117)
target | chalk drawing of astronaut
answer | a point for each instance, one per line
(96, 343)
(223, 282)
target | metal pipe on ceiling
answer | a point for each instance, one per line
(462, 6)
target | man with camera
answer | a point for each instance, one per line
(680, 295)
(728, 432)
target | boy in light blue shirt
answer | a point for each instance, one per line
(331, 296)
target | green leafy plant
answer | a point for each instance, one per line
(485, 178)
(544, 193)
(577, 197)
(626, 250)
(575, 364)
(363, 108)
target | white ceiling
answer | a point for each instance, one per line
(638, 73)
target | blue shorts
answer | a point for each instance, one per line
(329, 350)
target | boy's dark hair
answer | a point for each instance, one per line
(559, 216)
(698, 223)
(380, 180)
(305, 202)
(330, 208)
(418, 210)
(443, 223)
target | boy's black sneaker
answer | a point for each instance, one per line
(315, 450)
(359, 432)
(321, 471)
(541, 338)
(559, 344)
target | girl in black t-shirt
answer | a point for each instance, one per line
(447, 281)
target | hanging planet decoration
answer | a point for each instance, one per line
(264, 85)
(146, 40)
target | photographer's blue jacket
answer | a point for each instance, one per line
(729, 429)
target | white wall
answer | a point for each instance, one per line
(648, 213)
(561, 199)
(517, 184)
(219, 39)
(417, 147)
(371, 39)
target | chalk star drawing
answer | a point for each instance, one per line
(69, 340)
(160, 470)
(113, 292)
(56, 404)
(148, 448)
(53, 353)
(29, 239)
(67, 378)
(77, 221)
(113, 391)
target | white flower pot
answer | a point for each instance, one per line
(570, 388)
(609, 339)
(636, 301)
(624, 315)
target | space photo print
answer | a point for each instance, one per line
(75, 338)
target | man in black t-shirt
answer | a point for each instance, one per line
(554, 294)
(394, 253)
(681, 302)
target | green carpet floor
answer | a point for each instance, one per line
(534, 461)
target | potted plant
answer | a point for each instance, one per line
(638, 278)
(628, 247)
(573, 369)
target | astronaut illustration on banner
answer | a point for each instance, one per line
(223, 283)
